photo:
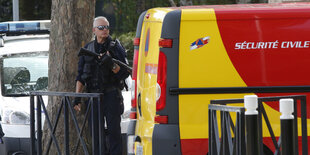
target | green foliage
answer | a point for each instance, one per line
(123, 14)
(28, 10)
(35, 9)
(5, 10)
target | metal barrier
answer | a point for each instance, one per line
(262, 113)
(36, 139)
(227, 145)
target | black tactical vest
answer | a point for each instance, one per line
(96, 76)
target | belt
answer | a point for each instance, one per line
(104, 90)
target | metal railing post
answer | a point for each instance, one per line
(37, 108)
(101, 127)
(277, 144)
(287, 126)
(251, 122)
(32, 126)
(304, 126)
(94, 126)
(66, 126)
(39, 127)
(226, 144)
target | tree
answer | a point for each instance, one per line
(71, 25)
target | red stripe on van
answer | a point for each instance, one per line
(272, 52)
(194, 146)
(268, 52)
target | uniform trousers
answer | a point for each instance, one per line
(110, 110)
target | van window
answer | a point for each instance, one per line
(23, 73)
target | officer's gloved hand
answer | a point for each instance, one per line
(76, 101)
(107, 60)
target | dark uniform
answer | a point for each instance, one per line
(98, 77)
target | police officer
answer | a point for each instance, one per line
(101, 75)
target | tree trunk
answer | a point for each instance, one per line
(71, 28)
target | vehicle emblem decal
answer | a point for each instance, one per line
(199, 43)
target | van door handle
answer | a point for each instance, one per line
(139, 104)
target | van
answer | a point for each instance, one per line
(183, 52)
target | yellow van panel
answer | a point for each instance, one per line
(206, 66)
(147, 75)
(198, 14)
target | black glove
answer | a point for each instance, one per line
(107, 60)
(76, 101)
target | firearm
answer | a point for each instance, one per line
(87, 52)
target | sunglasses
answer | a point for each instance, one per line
(102, 27)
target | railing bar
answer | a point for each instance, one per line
(94, 130)
(212, 140)
(49, 123)
(217, 137)
(260, 127)
(66, 127)
(236, 134)
(242, 131)
(304, 125)
(228, 133)
(101, 127)
(39, 127)
(75, 123)
(225, 108)
(223, 146)
(210, 131)
(276, 98)
(277, 151)
(32, 126)
(231, 123)
(269, 128)
(69, 94)
(82, 129)
(264, 99)
(295, 128)
(226, 145)
(54, 128)
(227, 101)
